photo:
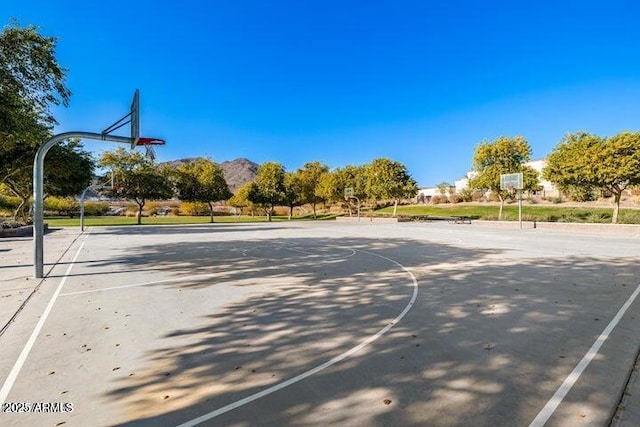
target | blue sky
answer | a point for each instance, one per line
(344, 82)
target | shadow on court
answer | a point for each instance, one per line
(487, 342)
(146, 229)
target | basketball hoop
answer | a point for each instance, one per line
(132, 118)
(511, 181)
(150, 141)
(148, 144)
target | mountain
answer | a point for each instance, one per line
(236, 172)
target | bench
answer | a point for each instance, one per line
(459, 220)
(429, 218)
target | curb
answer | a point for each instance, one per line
(25, 231)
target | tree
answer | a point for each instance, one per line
(583, 162)
(617, 166)
(201, 181)
(30, 76)
(241, 198)
(332, 184)
(388, 179)
(268, 189)
(568, 165)
(330, 188)
(309, 178)
(31, 82)
(68, 169)
(503, 156)
(292, 191)
(354, 177)
(20, 134)
(137, 178)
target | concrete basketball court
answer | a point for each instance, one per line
(320, 323)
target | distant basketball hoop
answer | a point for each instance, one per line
(513, 182)
(349, 194)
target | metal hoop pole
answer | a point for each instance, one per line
(358, 200)
(520, 208)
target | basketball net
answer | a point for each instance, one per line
(148, 144)
(150, 153)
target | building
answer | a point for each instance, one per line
(547, 188)
(462, 183)
(426, 194)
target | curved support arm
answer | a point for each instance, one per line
(38, 185)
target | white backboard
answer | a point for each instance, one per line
(511, 180)
(348, 192)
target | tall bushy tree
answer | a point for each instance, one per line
(582, 162)
(137, 178)
(293, 193)
(617, 166)
(309, 179)
(568, 165)
(329, 188)
(30, 76)
(332, 184)
(268, 188)
(201, 181)
(388, 179)
(31, 82)
(502, 156)
(352, 176)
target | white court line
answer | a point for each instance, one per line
(13, 375)
(546, 412)
(353, 252)
(318, 368)
(291, 249)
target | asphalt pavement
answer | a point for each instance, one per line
(322, 323)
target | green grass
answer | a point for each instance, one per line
(90, 221)
(529, 213)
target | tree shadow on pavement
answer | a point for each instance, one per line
(487, 342)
